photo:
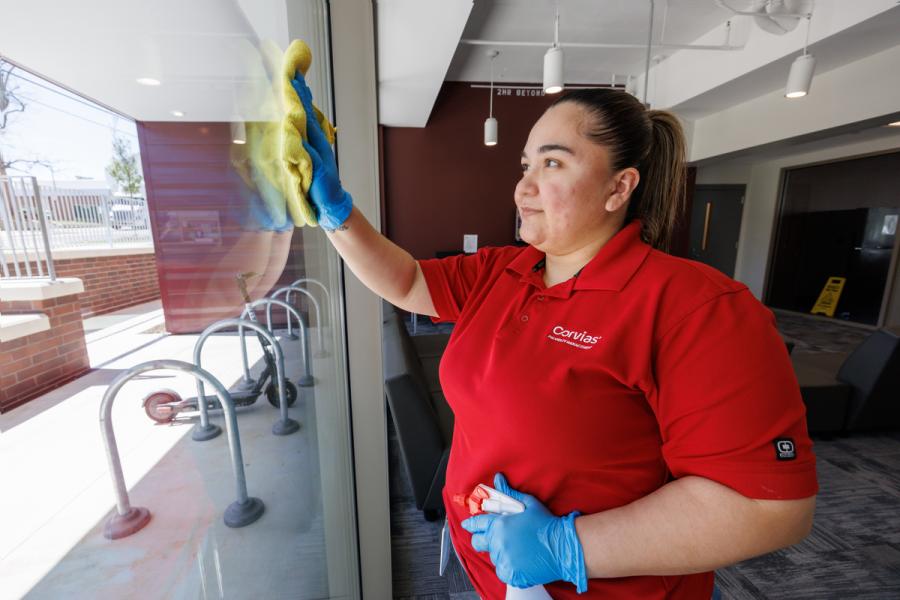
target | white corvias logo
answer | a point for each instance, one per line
(572, 337)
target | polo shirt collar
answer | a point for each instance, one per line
(611, 269)
(617, 262)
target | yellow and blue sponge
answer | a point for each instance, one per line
(295, 160)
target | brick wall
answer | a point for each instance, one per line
(37, 363)
(112, 282)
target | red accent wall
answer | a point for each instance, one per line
(441, 181)
(203, 230)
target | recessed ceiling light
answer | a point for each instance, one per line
(177, 113)
(148, 81)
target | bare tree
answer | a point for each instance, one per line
(11, 102)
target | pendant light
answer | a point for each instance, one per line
(800, 76)
(490, 124)
(149, 62)
(238, 131)
(553, 62)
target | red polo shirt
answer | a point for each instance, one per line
(599, 390)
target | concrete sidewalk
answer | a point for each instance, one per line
(58, 492)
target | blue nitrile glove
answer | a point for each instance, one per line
(331, 202)
(530, 548)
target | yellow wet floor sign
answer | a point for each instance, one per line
(829, 297)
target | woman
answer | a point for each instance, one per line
(645, 403)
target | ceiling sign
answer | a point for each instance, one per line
(508, 91)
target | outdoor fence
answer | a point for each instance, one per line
(37, 220)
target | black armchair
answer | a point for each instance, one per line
(852, 392)
(422, 419)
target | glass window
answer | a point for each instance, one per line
(215, 225)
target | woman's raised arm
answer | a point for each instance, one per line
(382, 266)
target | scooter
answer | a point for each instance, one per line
(163, 406)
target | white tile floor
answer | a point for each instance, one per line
(57, 492)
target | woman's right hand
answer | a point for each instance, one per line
(331, 202)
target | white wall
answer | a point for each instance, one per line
(762, 179)
(724, 174)
(355, 96)
(689, 75)
(861, 90)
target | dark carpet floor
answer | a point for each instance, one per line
(819, 334)
(852, 553)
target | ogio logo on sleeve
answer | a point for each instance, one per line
(784, 449)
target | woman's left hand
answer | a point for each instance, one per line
(530, 548)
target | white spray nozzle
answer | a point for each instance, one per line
(499, 503)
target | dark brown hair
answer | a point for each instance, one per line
(652, 141)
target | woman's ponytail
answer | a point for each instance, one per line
(660, 196)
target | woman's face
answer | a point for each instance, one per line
(566, 181)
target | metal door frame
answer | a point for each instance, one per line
(893, 266)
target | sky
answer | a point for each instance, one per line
(71, 133)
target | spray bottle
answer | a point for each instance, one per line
(485, 499)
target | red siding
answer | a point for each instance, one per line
(441, 181)
(203, 233)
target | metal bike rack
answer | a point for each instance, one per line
(305, 380)
(287, 291)
(303, 280)
(130, 519)
(204, 430)
(318, 283)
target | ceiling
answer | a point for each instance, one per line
(207, 52)
(406, 60)
(580, 21)
(843, 47)
(210, 55)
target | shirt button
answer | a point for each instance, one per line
(540, 298)
(524, 318)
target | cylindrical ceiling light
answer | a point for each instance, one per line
(553, 70)
(490, 124)
(801, 74)
(553, 63)
(149, 62)
(238, 129)
(490, 131)
(238, 132)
